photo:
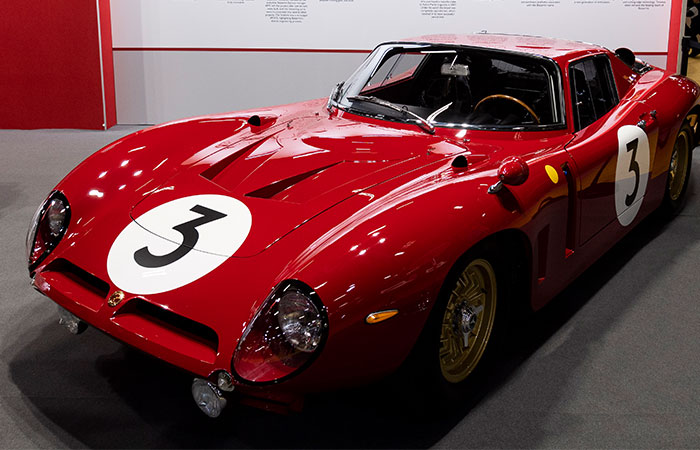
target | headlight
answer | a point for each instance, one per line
(286, 334)
(48, 226)
(300, 321)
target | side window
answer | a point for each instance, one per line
(592, 89)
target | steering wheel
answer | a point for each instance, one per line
(512, 99)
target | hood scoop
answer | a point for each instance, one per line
(278, 187)
(215, 169)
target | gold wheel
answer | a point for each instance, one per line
(468, 320)
(678, 169)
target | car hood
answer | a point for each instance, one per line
(293, 172)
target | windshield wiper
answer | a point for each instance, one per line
(431, 118)
(424, 124)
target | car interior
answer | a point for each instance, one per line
(482, 88)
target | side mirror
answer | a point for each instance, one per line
(513, 171)
(626, 56)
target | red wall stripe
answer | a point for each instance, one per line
(110, 106)
(275, 50)
(674, 34)
(50, 65)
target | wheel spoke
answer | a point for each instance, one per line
(452, 351)
(444, 350)
(478, 300)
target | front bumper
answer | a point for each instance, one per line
(134, 321)
(188, 345)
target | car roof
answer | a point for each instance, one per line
(557, 49)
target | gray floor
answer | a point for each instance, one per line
(614, 361)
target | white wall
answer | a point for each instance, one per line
(169, 63)
(155, 86)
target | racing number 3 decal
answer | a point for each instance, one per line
(634, 167)
(177, 243)
(632, 172)
(190, 236)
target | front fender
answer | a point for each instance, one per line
(391, 247)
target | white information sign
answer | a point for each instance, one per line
(641, 25)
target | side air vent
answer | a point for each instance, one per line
(571, 219)
(275, 188)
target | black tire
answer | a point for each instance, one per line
(678, 171)
(442, 383)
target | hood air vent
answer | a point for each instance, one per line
(275, 188)
(219, 167)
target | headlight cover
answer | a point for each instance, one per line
(285, 336)
(300, 321)
(47, 228)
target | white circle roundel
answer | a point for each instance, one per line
(177, 243)
(631, 173)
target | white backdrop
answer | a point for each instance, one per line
(166, 66)
(360, 24)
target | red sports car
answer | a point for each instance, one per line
(449, 182)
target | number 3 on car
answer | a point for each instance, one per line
(632, 172)
(177, 243)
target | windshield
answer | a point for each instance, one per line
(457, 87)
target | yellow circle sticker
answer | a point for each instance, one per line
(552, 172)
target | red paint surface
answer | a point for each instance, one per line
(378, 228)
(50, 71)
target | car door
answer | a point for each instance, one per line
(611, 149)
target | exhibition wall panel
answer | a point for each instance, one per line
(229, 51)
(57, 69)
(157, 86)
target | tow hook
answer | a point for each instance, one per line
(70, 321)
